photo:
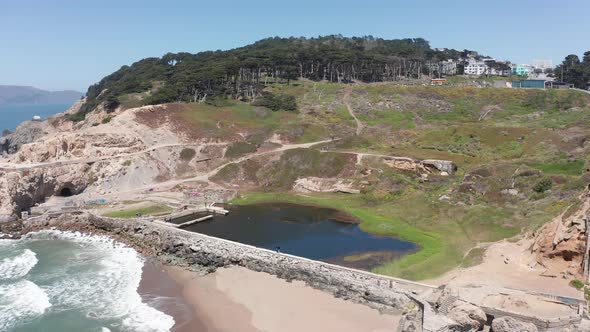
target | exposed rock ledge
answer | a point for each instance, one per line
(314, 184)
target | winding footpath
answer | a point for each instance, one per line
(346, 100)
(164, 186)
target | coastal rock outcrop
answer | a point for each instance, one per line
(314, 184)
(559, 245)
(425, 166)
(78, 145)
(411, 321)
(21, 190)
(468, 316)
(31, 131)
(509, 324)
(442, 165)
(27, 132)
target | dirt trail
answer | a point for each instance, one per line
(345, 99)
(163, 186)
(19, 166)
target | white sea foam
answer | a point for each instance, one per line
(20, 302)
(18, 266)
(103, 281)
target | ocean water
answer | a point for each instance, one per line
(64, 281)
(12, 116)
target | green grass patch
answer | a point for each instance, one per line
(238, 149)
(575, 167)
(432, 247)
(473, 257)
(151, 210)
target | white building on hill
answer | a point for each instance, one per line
(474, 67)
(542, 63)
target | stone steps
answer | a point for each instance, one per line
(447, 303)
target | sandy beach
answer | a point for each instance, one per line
(162, 292)
(237, 299)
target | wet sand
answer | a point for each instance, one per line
(237, 299)
(162, 292)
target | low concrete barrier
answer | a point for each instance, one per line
(543, 324)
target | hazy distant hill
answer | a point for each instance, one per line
(28, 95)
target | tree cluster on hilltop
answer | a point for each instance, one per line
(572, 70)
(243, 72)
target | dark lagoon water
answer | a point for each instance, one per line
(12, 116)
(308, 231)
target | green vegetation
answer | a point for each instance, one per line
(437, 253)
(502, 140)
(575, 167)
(238, 149)
(106, 120)
(572, 70)
(432, 248)
(187, 154)
(277, 102)
(511, 146)
(577, 284)
(243, 72)
(152, 210)
(281, 174)
(473, 257)
(543, 185)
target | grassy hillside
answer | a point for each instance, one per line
(522, 157)
(506, 143)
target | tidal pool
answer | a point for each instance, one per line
(309, 231)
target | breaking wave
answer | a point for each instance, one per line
(95, 276)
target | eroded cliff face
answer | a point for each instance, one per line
(22, 190)
(117, 155)
(560, 245)
(31, 131)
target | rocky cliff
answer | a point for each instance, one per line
(560, 245)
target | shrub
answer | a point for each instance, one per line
(106, 120)
(543, 185)
(219, 101)
(111, 103)
(187, 154)
(238, 149)
(277, 102)
(76, 117)
(577, 284)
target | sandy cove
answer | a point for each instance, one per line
(237, 299)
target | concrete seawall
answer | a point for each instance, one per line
(201, 252)
(205, 253)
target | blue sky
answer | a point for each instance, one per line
(70, 44)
